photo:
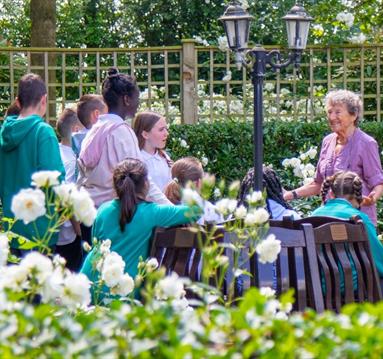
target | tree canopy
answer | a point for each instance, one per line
(126, 23)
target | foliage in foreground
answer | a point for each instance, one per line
(45, 310)
(256, 327)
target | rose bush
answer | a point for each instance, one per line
(45, 310)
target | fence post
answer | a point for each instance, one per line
(189, 93)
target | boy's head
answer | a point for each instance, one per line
(89, 108)
(32, 93)
(67, 124)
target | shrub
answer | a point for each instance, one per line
(228, 144)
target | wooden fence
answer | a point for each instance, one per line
(195, 83)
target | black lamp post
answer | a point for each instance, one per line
(237, 26)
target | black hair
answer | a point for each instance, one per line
(117, 85)
(30, 91)
(130, 180)
(271, 184)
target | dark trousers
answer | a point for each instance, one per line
(86, 233)
(72, 253)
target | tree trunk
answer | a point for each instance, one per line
(43, 34)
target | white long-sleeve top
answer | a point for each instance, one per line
(158, 168)
(96, 171)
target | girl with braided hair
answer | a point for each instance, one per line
(276, 205)
(342, 197)
(130, 220)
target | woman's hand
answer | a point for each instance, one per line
(288, 195)
(369, 200)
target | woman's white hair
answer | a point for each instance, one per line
(352, 101)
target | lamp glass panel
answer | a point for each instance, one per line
(243, 33)
(230, 33)
(297, 38)
(304, 27)
(291, 33)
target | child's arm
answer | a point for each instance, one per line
(167, 216)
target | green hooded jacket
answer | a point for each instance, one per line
(27, 145)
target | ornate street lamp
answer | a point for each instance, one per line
(236, 21)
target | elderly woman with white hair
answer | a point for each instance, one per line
(347, 148)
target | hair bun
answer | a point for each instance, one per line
(112, 71)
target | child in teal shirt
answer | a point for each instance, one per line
(129, 221)
(345, 189)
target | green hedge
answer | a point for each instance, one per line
(228, 144)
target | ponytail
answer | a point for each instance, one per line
(128, 200)
(173, 191)
(131, 186)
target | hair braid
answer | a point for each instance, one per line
(326, 185)
(357, 189)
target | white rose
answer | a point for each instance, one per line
(112, 259)
(14, 277)
(286, 163)
(152, 264)
(240, 212)
(221, 206)
(227, 77)
(269, 86)
(294, 162)
(222, 42)
(53, 286)
(267, 292)
(83, 207)
(112, 274)
(45, 178)
(184, 144)
(254, 197)
(257, 217)
(76, 291)
(268, 249)
(28, 205)
(232, 205)
(358, 39)
(285, 91)
(310, 170)
(170, 287)
(4, 249)
(217, 192)
(124, 286)
(105, 246)
(64, 191)
(191, 197)
(204, 161)
(298, 172)
(302, 156)
(38, 265)
(312, 152)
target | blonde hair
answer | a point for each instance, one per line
(184, 170)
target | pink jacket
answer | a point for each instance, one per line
(110, 141)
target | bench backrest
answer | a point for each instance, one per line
(348, 272)
(296, 267)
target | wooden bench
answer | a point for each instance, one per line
(178, 249)
(342, 246)
(296, 267)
